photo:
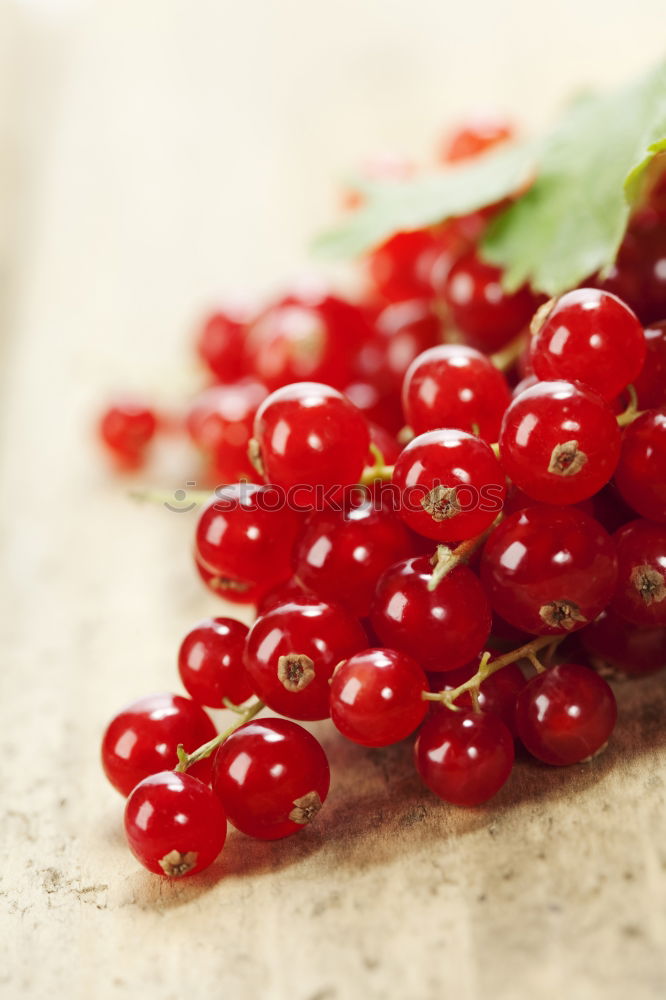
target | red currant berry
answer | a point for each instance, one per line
(549, 570)
(271, 777)
(497, 694)
(292, 651)
(641, 472)
(650, 385)
(143, 739)
(559, 442)
(220, 342)
(653, 249)
(310, 435)
(245, 536)
(174, 824)
(219, 585)
(455, 386)
(376, 697)
(639, 274)
(306, 338)
(565, 715)
(401, 268)
(640, 596)
(126, 429)
(378, 405)
(220, 423)
(608, 508)
(592, 337)
(441, 629)
(341, 554)
(210, 662)
(627, 650)
(476, 137)
(464, 757)
(487, 315)
(404, 330)
(451, 485)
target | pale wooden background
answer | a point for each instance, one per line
(152, 155)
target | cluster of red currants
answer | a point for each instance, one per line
(545, 506)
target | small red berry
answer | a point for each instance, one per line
(220, 342)
(306, 337)
(272, 777)
(174, 824)
(590, 336)
(640, 596)
(455, 386)
(292, 651)
(210, 662)
(220, 423)
(464, 757)
(451, 485)
(126, 429)
(143, 739)
(245, 536)
(641, 472)
(402, 267)
(629, 650)
(549, 570)
(308, 436)
(487, 315)
(566, 714)
(650, 385)
(340, 554)
(250, 593)
(441, 629)
(559, 442)
(376, 697)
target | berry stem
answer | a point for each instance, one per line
(632, 412)
(238, 709)
(446, 559)
(486, 668)
(377, 471)
(536, 662)
(168, 498)
(186, 760)
(507, 357)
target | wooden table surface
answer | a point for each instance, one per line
(128, 220)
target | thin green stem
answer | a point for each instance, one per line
(446, 559)
(507, 357)
(238, 709)
(172, 499)
(186, 760)
(375, 472)
(536, 662)
(488, 667)
(632, 412)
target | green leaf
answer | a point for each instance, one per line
(589, 170)
(395, 206)
(571, 222)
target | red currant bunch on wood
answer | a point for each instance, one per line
(430, 558)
